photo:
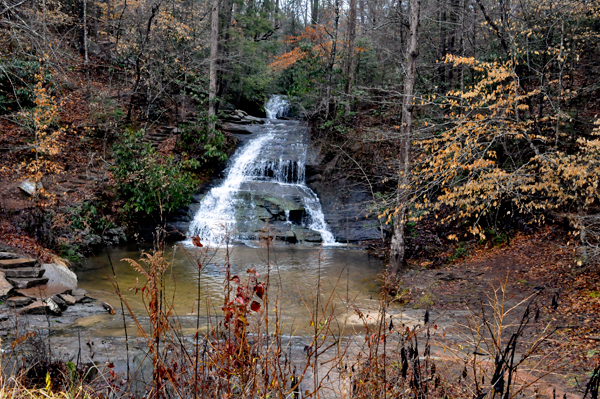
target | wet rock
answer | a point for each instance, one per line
(37, 307)
(287, 236)
(306, 235)
(59, 301)
(84, 298)
(19, 301)
(345, 207)
(5, 287)
(44, 291)
(60, 274)
(53, 306)
(78, 292)
(68, 299)
(237, 128)
(253, 119)
(174, 233)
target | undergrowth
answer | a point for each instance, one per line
(243, 352)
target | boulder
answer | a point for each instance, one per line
(59, 274)
(5, 287)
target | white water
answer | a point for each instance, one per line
(216, 218)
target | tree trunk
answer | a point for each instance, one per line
(351, 42)
(332, 56)
(214, 52)
(314, 12)
(224, 45)
(85, 51)
(398, 245)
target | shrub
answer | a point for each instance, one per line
(147, 181)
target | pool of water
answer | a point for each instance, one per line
(344, 278)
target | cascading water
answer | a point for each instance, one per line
(265, 182)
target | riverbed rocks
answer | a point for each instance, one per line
(241, 117)
(29, 287)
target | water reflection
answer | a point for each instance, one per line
(349, 277)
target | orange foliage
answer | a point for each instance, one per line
(322, 45)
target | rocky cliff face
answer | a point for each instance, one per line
(344, 202)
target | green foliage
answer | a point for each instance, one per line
(196, 137)
(461, 251)
(147, 181)
(17, 81)
(70, 252)
(93, 227)
(305, 76)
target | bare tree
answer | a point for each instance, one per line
(351, 42)
(214, 52)
(398, 245)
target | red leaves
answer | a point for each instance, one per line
(196, 241)
(240, 300)
(259, 289)
(255, 306)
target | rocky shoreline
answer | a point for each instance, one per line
(29, 288)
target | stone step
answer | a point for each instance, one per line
(24, 272)
(19, 262)
(19, 301)
(41, 308)
(21, 283)
(8, 255)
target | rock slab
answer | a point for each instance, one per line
(17, 263)
(5, 287)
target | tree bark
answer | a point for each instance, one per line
(85, 51)
(314, 12)
(351, 43)
(214, 52)
(398, 245)
(332, 56)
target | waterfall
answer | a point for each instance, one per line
(268, 170)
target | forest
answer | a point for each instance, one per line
(470, 130)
